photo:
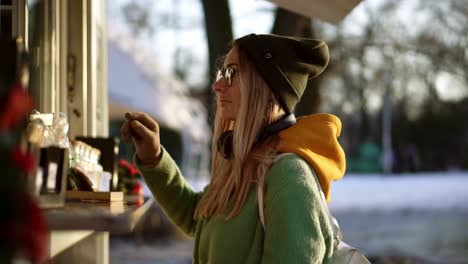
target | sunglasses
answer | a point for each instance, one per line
(226, 75)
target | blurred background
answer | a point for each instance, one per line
(397, 79)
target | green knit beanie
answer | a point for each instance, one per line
(286, 63)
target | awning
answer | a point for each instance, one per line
(166, 99)
(332, 11)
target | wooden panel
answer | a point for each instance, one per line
(332, 11)
(80, 247)
(101, 196)
(99, 216)
(62, 240)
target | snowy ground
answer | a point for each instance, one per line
(440, 236)
(423, 191)
(124, 251)
(423, 215)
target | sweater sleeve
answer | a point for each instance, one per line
(176, 197)
(296, 225)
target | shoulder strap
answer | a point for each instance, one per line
(334, 223)
(260, 204)
(337, 235)
(260, 192)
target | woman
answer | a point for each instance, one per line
(262, 79)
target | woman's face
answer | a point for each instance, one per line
(227, 86)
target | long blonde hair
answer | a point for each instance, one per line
(232, 179)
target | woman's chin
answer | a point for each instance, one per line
(228, 115)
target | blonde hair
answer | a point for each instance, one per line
(232, 179)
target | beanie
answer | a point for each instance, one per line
(286, 63)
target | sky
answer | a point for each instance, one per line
(165, 41)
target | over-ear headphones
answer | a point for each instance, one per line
(284, 122)
(225, 144)
(225, 140)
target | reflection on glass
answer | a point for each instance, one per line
(6, 17)
(41, 38)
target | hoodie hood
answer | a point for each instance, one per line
(315, 139)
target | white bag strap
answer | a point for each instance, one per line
(337, 235)
(335, 227)
(260, 204)
(260, 192)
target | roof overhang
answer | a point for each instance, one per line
(331, 11)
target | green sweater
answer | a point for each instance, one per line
(296, 231)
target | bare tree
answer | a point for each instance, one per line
(445, 41)
(138, 17)
(218, 28)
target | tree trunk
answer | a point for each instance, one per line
(218, 27)
(290, 24)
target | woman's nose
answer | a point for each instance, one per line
(218, 87)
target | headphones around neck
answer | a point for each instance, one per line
(225, 140)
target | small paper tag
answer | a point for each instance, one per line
(39, 180)
(52, 176)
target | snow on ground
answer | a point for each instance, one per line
(421, 191)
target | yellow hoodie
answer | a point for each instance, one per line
(315, 139)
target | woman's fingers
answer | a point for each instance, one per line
(144, 119)
(140, 131)
(144, 132)
(126, 132)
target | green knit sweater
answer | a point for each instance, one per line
(296, 230)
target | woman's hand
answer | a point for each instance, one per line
(144, 132)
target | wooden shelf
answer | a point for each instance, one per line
(98, 196)
(110, 216)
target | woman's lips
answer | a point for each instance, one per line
(225, 102)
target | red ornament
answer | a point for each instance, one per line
(124, 163)
(30, 234)
(138, 189)
(17, 106)
(139, 202)
(130, 168)
(133, 170)
(36, 240)
(24, 160)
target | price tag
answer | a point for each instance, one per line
(52, 175)
(39, 180)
